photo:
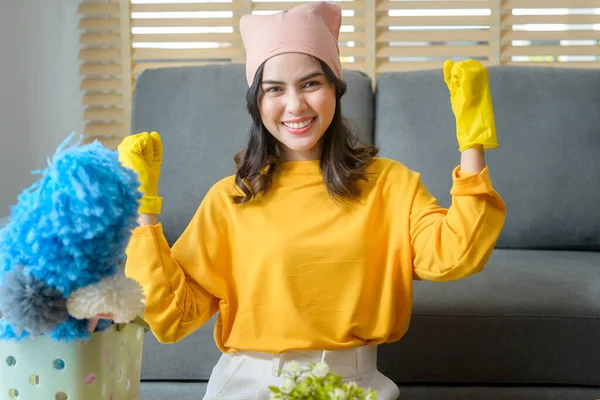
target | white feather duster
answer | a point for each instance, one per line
(117, 295)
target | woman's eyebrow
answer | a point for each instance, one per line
(307, 77)
(310, 76)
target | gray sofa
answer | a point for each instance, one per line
(527, 327)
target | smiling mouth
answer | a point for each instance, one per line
(299, 124)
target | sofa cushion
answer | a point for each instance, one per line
(531, 317)
(172, 390)
(547, 165)
(550, 392)
(193, 358)
(201, 115)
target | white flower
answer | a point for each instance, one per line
(350, 386)
(292, 368)
(287, 385)
(320, 370)
(337, 394)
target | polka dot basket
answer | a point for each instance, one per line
(107, 367)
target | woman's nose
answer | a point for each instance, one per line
(296, 103)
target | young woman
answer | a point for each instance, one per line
(309, 252)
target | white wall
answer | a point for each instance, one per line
(40, 100)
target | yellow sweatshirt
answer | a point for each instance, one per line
(295, 270)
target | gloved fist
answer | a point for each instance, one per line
(471, 103)
(142, 153)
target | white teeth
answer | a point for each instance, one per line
(298, 125)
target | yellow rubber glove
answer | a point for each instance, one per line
(471, 103)
(142, 153)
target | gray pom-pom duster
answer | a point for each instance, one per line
(29, 304)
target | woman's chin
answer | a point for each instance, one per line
(305, 150)
(301, 148)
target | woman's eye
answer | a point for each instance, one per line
(273, 89)
(312, 84)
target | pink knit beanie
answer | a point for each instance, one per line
(312, 28)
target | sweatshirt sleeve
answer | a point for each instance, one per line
(453, 243)
(182, 285)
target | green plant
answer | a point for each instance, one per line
(317, 382)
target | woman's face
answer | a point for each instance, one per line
(297, 104)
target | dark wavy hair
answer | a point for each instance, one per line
(344, 159)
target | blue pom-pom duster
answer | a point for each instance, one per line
(70, 229)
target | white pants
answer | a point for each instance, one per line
(247, 375)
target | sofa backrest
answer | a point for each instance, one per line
(547, 165)
(201, 115)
